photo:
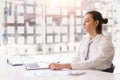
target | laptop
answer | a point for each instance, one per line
(37, 66)
(15, 61)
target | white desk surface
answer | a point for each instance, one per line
(8, 72)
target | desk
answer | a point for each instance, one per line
(8, 72)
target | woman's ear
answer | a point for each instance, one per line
(96, 22)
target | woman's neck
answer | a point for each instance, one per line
(93, 35)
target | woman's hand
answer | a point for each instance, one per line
(55, 66)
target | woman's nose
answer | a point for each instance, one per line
(83, 24)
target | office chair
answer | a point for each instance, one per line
(110, 70)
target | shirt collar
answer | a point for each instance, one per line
(95, 38)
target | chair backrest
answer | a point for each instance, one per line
(108, 36)
(110, 70)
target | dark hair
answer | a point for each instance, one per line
(98, 16)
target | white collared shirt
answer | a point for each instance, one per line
(101, 53)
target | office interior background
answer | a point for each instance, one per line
(40, 27)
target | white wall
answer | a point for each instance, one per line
(116, 35)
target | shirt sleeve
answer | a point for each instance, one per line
(100, 62)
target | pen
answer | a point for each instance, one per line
(58, 62)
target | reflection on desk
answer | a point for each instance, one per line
(8, 72)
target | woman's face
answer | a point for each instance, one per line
(89, 24)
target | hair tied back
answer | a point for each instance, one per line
(105, 21)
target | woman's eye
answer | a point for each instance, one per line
(87, 21)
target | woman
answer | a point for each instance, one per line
(97, 54)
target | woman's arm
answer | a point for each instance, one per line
(57, 66)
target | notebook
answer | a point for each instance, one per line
(37, 66)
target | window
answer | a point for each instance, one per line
(50, 24)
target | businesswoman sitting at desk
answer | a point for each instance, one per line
(95, 51)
